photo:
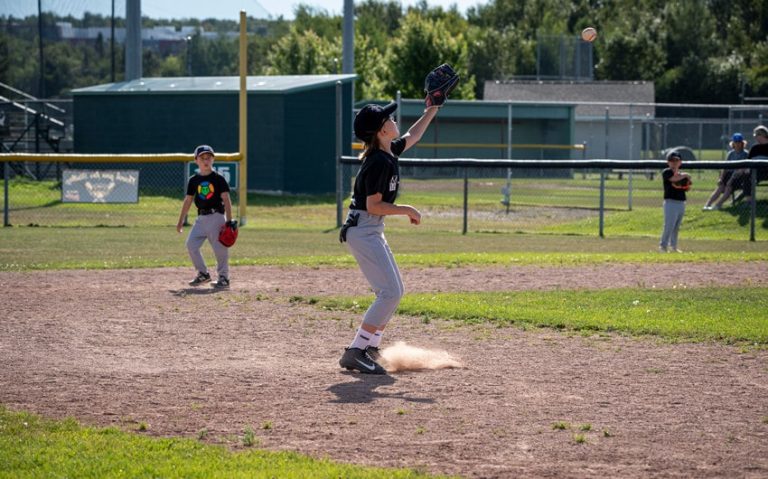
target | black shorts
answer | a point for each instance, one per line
(741, 181)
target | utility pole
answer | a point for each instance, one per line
(41, 93)
(133, 40)
(348, 38)
(112, 42)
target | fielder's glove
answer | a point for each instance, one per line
(439, 83)
(228, 233)
(351, 221)
(682, 184)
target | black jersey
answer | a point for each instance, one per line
(379, 173)
(207, 191)
(760, 151)
(670, 192)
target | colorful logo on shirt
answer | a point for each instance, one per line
(393, 184)
(205, 190)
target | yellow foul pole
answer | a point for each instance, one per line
(243, 120)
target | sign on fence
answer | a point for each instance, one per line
(227, 169)
(100, 186)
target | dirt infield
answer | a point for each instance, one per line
(125, 347)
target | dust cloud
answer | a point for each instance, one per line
(403, 357)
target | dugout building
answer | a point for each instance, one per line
(291, 125)
(484, 129)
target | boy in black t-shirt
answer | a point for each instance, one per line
(210, 193)
(676, 183)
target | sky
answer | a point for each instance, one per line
(228, 9)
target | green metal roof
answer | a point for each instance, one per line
(208, 85)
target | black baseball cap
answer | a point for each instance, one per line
(674, 155)
(370, 119)
(204, 149)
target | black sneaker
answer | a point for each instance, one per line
(222, 283)
(357, 359)
(201, 278)
(374, 353)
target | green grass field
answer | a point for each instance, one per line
(557, 217)
(33, 447)
(562, 206)
(552, 224)
(142, 247)
(731, 315)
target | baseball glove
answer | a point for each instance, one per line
(439, 83)
(682, 184)
(228, 233)
(352, 219)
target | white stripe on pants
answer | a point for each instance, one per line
(367, 244)
(673, 218)
(207, 227)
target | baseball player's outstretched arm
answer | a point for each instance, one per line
(184, 210)
(227, 205)
(417, 129)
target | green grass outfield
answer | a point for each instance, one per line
(149, 247)
(301, 230)
(31, 447)
(730, 315)
(539, 206)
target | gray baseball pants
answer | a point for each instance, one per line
(207, 227)
(673, 218)
(367, 244)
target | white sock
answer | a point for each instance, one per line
(376, 339)
(362, 338)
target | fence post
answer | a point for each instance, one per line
(6, 175)
(466, 194)
(753, 204)
(399, 100)
(607, 119)
(631, 148)
(602, 203)
(701, 140)
(508, 191)
(339, 183)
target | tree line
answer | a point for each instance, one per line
(698, 51)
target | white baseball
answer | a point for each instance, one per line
(588, 34)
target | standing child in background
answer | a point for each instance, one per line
(210, 192)
(676, 183)
(738, 152)
(373, 198)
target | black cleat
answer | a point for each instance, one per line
(200, 279)
(222, 283)
(374, 353)
(359, 360)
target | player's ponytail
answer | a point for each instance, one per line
(369, 147)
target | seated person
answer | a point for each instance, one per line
(741, 179)
(738, 152)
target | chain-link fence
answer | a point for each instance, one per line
(564, 200)
(587, 200)
(101, 194)
(564, 57)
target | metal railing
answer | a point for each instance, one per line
(603, 166)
